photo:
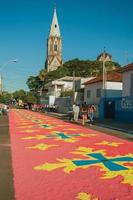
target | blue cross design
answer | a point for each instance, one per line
(47, 126)
(108, 163)
(62, 135)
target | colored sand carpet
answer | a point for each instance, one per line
(57, 160)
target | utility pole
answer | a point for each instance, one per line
(74, 81)
(104, 73)
(73, 86)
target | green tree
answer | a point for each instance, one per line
(42, 74)
(5, 97)
(67, 93)
(20, 94)
(30, 98)
(80, 68)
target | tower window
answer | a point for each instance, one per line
(51, 47)
(55, 25)
(55, 47)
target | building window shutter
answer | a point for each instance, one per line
(98, 93)
(88, 93)
(55, 47)
(51, 47)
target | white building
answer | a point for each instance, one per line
(127, 78)
(57, 86)
(67, 83)
(94, 88)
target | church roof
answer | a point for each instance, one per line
(55, 29)
(102, 54)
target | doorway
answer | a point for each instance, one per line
(109, 109)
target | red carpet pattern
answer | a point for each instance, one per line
(56, 160)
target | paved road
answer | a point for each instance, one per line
(57, 160)
(6, 178)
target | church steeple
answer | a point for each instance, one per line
(54, 46)
(55, 29)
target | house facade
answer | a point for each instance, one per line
(94, 92)
(127, 78)
(120, 109)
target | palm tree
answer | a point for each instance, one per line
(42, 74)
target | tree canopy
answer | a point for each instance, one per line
(75, 67)
(27, 97)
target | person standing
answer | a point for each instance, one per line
(73, 109)
(76, 113)
(91, 111)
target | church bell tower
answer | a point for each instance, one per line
(54, 46)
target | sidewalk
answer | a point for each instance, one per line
(6, 175)
(120, 126)
(106, 123)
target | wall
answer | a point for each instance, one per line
(123, 108)
(113, 89)
(68, 85)
(64, 104)
(49, 100)
(114, 85)
(93, 87)
(126, 83)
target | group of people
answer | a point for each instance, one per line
(4, 109)
(86, 112)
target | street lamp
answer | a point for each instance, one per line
(5, 64)
(1, 68)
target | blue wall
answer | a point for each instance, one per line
(123, 108)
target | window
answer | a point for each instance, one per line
(88, 93)
(98, 93)
(131, 85)
(55, 47)
(55, 25)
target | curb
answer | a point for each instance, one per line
(116, 128)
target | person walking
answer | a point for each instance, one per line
(84, 113)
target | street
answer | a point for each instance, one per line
(53, 159)
(6, 176)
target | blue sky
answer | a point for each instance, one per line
(86, 27)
